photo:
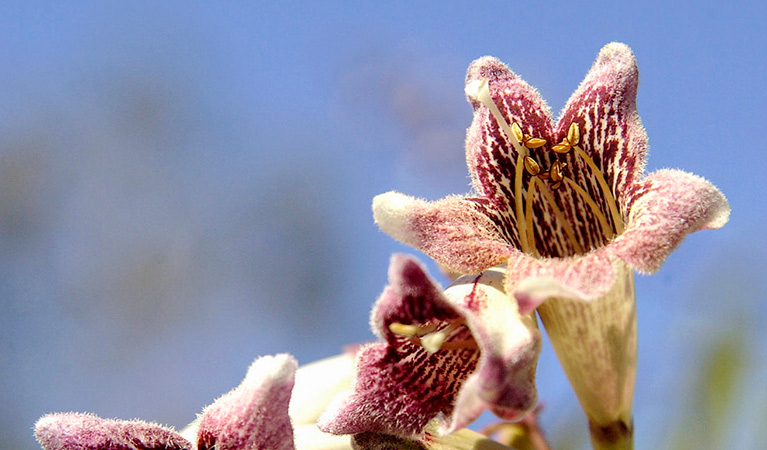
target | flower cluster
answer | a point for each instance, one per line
(561, 217)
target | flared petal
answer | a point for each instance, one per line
(464, 439)
(504, 381)
(253, 415)
(76, 431)
(455, 231)
(669, 205)
(400, 386)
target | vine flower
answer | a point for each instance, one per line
(443, 359)
(567, 207)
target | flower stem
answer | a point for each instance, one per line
(618, 435)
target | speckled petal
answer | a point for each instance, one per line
(455, 231)
(254, 415)
(400, 387)
(669, 205)
(75, 431)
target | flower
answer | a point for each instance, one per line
(252, 416)
(446, 355)
(567, 207)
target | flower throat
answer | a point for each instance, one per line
(479, 91)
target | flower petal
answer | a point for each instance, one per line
(400, 386)
(533, 281)
(669, 205)
(611, 132)
(254, 415)
(88, 432)
(317, 384)
(456, 232)
(504, 381)
(489, 153)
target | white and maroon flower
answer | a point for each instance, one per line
(567, 207)
(444, 358)
(252, 416)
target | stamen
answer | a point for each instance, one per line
(608, 193)
(532, 167)
(573, 134)
(561, 218)
(521, 222)
(529, 214)
(430, 340)
(412, 330)
(606, 230)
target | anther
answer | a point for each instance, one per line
(556, 171)
(532, 166)
(525, 139)
(573, 134)
(411, 330)
(563, 147)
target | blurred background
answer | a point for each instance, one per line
(185, 186)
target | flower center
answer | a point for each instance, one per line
(432, 337)
(554, 175)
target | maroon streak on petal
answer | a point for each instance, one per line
(254, 415)
(76, 431)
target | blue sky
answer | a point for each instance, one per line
(187, 185)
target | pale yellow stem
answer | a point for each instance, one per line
(606, 230)
(609, 197)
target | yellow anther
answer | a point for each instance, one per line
(534, 142)
(518, 132)
(411, 330)
(556, 171)
(532, 166)
(563, 147)
(573, 134)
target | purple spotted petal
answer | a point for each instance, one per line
(456, 232)
(75, 431)
(669, 205)
(254, 415)
(400, 387)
